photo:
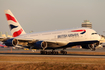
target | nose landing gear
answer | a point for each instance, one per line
(92, 47)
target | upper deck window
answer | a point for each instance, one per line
(94, 33)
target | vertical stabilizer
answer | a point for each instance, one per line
(14, 25)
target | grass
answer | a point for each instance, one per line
(50, 66)
(50, 63)
(27, 59)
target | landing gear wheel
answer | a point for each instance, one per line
(43, 52)
(93, 49)
(54, 52)
(49, 52)
(63, 52)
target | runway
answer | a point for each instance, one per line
(28, 53)
(68, 55)
(68, 49)
(74, 56)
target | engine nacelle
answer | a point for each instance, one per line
(11, 42)
(40, 45)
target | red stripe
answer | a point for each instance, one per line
(17, 33)
(77, 30)
(9, 17)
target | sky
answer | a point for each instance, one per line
(49, 15)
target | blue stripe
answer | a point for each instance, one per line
(83, 32)
(12, 26)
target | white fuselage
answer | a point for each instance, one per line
(64, 36)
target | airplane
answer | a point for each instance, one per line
(59, 39)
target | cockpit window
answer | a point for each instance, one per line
(94, 33)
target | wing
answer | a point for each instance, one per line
(33, 42)
(2, 39)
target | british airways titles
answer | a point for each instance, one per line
(68, 35)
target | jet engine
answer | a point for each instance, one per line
(11, 42)
(40, 45)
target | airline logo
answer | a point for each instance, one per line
(16, 33)
(82, 31)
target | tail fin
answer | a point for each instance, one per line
(14, 25)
